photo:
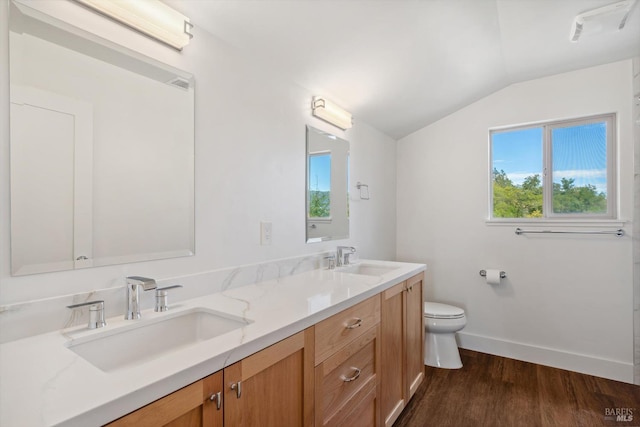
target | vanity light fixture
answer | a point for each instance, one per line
(150, 17)
(331, 113)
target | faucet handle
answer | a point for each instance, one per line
(96, 313)
(332, 261)
(162, 298)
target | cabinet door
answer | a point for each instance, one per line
(190, 406)
(402, 339)
(213, 406)
(392, 327)
(273, 387)
(414, 341)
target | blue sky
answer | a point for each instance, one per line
(320, 172)
(579, 152)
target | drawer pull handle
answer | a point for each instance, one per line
(216, 397)
(238, 388)
(356, 324)
(354, 377)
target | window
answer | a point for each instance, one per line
(555, 170)
(319, 185)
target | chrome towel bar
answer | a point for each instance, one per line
(619, 232)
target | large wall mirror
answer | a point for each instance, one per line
(102, 150)
(327, 215)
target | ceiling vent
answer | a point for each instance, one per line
(606, 19)
(179, 82)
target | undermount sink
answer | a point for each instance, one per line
(147, 339)
(367, 269)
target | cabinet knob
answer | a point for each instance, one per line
(353, 377)
(216, 397)
(238, 388)
(355, 324)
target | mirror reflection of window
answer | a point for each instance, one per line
(327, 169)
(319, 185)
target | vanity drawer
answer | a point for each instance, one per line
(364, 412)
(336, 331)
(345, 379)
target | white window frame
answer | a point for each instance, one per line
(547, 170)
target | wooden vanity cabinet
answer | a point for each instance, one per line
(191, 406)
(414, 341)
(274, 387)
(358, 367)
(271, 388)
(402, 339)
(347, 391)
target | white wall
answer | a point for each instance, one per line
(567, 300)
(250, 167)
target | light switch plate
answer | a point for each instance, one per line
(266, 229)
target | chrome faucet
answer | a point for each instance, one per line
(343, 258)
(134, 283)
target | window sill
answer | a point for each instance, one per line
(617, 223)
(326, 220)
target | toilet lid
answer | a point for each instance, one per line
(435, 310)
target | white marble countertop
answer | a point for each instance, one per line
(44, 383)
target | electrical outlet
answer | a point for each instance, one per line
(265, 233)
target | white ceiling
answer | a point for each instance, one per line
(401, 65)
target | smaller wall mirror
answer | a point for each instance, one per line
(327, 207)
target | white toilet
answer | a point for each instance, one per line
(441, 322)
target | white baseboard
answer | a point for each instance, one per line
(604, 368)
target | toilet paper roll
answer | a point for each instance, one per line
(493, 277)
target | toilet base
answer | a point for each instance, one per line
(441, 351)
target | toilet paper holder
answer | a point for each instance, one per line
(483, 273)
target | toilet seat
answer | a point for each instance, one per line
(435, 310)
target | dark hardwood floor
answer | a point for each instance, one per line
(494, 391)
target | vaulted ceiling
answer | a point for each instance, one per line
(401, 65)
